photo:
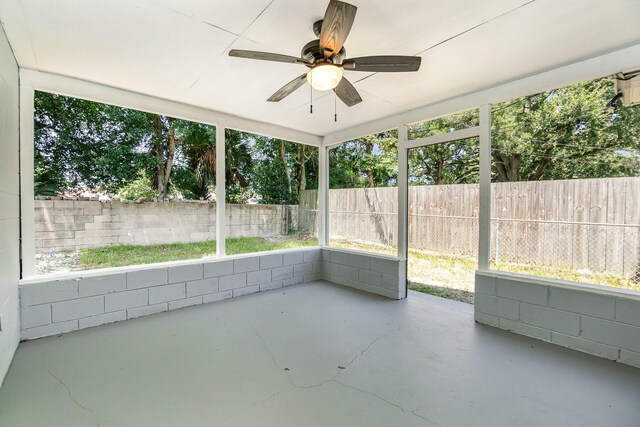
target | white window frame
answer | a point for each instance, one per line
(32, 81)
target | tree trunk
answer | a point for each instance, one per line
(283, 160)
(164, 150)
(369, 150)
(302, 169)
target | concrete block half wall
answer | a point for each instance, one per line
(54, 305)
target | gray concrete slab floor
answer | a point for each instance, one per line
(313, 355)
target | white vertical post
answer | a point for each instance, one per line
(403, 192)
(220, 192)
(323, 196)
(27, 213)
(484, 213)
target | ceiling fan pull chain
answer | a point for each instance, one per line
(335, 106)
(311, 92)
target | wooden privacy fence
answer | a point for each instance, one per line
(579, 224)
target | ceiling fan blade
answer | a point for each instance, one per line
(288, 89)
(383, 64)
(347, 93)
(265, 56)
(336, 25)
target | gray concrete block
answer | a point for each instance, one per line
(167, 293)
(35, 315)
(524, 329)
(56, 290)
(48, 330)
(291, 258)
(338, 257)
(311, 255)
(312, 277)
(292, 281)
(630, 358)
(582, 301)
(271, 261)
(102, 319)
(202, 287)
(282, 273)
(147, 278)
(498, 307)
(486, 319)
(485, 285)
(550, 318)
(147, 310)
(258, 277)
(628, 311)
(242, 265)
(128, 299)
(99, 285)
(76, 309)
(347, 272)
(370, 277)
(232, 282)
(392, 282)
(386, 266)
(359, 261)
(217, 296)
(185, 273)
(271, 285)
(187, 302)
(331, 268)
(302, 269)
(586, 346)
(246, 290)
(611, 333)
(218, 268)
(522, 291)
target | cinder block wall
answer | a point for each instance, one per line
(50, 306)
(75, 224)
(583, 318)
(378, 274)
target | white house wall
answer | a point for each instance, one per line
(9, 206)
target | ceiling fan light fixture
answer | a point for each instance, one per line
(324, 76)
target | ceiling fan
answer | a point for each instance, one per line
(326, 58)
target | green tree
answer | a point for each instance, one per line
(565, 133)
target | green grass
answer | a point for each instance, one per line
(438, 291)
(441, 275)
(436, 274)
(122, 255)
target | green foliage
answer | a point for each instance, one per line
(566, 133)
(371, 161)
(140, 188)
(48, 181)
(88, 144)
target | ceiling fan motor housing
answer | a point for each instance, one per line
(312, 54)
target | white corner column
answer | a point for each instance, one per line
(27, 206)
(323, 196)
(220, 192)
(484, 213)
(403, 191)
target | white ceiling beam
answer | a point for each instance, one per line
(83, 89)
(595, 67)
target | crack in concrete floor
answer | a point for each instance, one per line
(334, 379)
(69, 393)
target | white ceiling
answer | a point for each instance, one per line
(177, 49)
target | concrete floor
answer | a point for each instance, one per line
(313, 354)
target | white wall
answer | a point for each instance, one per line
(9, 210)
